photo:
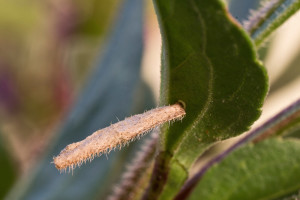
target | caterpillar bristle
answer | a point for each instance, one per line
(116, 136)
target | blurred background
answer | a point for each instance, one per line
(48, 50)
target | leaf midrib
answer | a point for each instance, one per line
(190, 128)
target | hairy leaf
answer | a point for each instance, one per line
(267, 170)
(284, 123)
(208, 62)
(293, 196)
(110, 93)
(210, 65)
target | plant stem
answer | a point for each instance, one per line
(159, 177)
(270, 16)
(132, 178)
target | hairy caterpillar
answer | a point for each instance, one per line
(116, 135)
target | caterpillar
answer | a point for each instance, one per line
(115, 135)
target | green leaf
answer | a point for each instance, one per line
(267, 170)
(293, 196)
(112, 91)
(208, 62)
(294, 133)
(8, 172)
(283, 123)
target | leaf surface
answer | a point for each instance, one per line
(209, 63)
(284, 123)
(267, 170)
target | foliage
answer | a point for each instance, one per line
(240, 177)
(210, 67)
